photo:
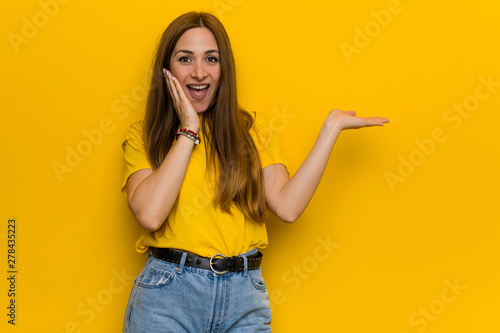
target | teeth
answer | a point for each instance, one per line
(199, 87)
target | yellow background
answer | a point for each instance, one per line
(397, 248)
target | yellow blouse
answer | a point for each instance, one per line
(194, 225)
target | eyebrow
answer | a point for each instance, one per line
(191, 52)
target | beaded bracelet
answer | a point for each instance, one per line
(189, 134)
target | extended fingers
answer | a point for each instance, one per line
(349, 120)
(170, 85)
(370, 120)
(377, 121)
(178, 88)
(167, 81)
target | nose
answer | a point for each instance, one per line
(199, 71)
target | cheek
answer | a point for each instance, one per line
(176, 72)
(216, 76)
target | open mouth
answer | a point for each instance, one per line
(198, 91)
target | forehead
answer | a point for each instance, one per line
(197, 39)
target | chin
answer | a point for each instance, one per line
(201, 108)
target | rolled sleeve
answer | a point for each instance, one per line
(267, 142)
(134, 152)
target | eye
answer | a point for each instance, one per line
(184, 59)
(212, 59)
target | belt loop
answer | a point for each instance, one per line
(182, 262)
(245, 266)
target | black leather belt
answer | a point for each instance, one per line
(218, 263)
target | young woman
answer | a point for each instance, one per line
(201, 173)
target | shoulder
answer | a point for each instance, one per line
(136, 128)
(262, 128)
(134, 135)
(260, 119)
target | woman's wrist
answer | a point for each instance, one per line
(332, 125)
(189, 134)
(183, 138)
(192, 127)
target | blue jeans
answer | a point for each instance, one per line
(167, 297)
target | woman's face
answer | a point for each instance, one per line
(195, 64)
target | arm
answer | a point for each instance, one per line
(151, 194)
(288, 197)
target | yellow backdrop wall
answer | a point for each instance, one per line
(402, 234)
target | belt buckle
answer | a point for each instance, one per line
(211, 267)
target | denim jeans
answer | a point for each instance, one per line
(167, 297)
